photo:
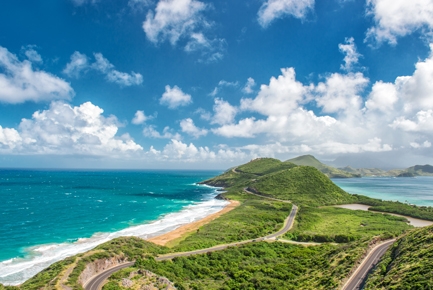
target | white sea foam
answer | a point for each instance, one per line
(17, 270)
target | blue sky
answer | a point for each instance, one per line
(211, 84)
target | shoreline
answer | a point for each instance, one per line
(415, 222)
(188, 228)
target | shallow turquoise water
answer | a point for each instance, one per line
(417, 190)
(47, 215)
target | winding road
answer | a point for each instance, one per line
(358, 277)
(97, 281)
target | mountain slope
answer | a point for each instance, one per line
(408, 264)
(304, 185)
(331, 172)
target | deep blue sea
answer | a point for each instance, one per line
(417, 190)
(46, 216)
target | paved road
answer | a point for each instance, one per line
(97, 281)
(267, 197)
(355, 281)
(288, 223)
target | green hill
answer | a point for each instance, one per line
(302, 185)
(421, 170)
(331, 172)
(408, 264)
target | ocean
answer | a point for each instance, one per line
(418, 190)
(46, 216)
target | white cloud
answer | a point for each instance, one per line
(224, 112)
(174, 97)
(280, 97)
(19, 82)
(274, 9)
(382, 97)
(140, 118)
(187, 126)
(395, 19)
(421, 122)
(341, 93)
(351, 55)
(173, 19)
(65, 130)
(139, 5)
(176, 20)
(167, 133)
(79, 62)
(248, 88)
(425, 144)
(83, 2)
(32, 54)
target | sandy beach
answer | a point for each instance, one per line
(191, 227)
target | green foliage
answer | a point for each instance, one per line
(260, 266)
(340, 225)
(408, 264)
(48, 277)
(254, 218)
(421, 212)
(263, 166)
(303, 185)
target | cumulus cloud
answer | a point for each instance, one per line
(31, 54)
(140, 118)
(167, 133)
(79, 62)
(224, 113)
(341, 93)
(175, 20)
(174, 97)
(187, 126)
(274, 9)
(395, 19)
(248, 88)
(351, 55)
(64, 130)
(281, 96)
(20, 82)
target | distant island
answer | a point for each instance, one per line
(350, 172)
(287, 229)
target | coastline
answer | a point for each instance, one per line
(185, 229)
(16, 271)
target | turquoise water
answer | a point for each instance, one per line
(48, 215)
(417, 190)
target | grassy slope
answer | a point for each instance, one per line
(330, 224)
(303, 185)
(408, 264)
(310, 160)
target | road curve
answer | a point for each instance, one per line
(97, 281)
(355, 281)
(288, 223)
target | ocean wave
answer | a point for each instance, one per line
(17, 270)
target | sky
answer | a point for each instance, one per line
(198, 84)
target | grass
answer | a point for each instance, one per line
(304, 185)
(254, 217)
(331, 224)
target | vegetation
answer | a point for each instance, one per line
(254, 218)
(417, 170)
(304, 185)
(421, 212)
(330, 224)
(331, 172)
(263, 166)
(260, 266)
(408, 264)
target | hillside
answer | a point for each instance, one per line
(302, 185)
(408, 264)
(331, 172)
(417, 170)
